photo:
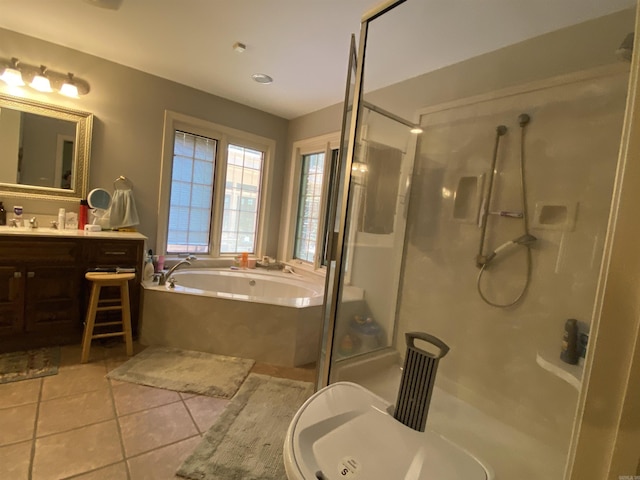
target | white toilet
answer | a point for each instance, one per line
(344, 431)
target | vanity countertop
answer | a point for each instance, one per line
(52, 232)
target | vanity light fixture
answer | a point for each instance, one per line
(11, 75)
(69, 88)
(40, 82)
(16, 73)
(262, 78)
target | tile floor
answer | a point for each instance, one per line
(80, 425)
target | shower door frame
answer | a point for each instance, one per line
(334, 276)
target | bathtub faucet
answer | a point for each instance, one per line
(162, 279)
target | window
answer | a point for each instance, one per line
(312, 167)
(212, 188)
(241, 199)
(309, 205)
(191, 193)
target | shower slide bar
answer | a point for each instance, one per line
(526, 240)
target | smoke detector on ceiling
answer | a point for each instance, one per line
(108, 4)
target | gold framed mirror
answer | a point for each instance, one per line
(44, 150)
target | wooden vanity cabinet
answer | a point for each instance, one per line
(43, 293)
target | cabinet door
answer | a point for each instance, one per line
(52, 298)
(11, 300)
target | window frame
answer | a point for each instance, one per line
(321, 144)
(225, 136)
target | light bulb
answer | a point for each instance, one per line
(69, 89)
(40, 82)
(11, 75)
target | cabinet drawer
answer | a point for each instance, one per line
(114, 253)
(39, 251)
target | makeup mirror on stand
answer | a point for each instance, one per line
(99, 202)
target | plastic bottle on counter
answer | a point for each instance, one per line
(17, 215)
(244, 260)
(148, 271)
(62, 218)
(83, 214)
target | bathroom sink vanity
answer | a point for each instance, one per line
(43, 293)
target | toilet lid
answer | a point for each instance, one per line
(344, 431)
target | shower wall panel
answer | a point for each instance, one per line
(571, 154)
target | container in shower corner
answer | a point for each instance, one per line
(366, 333)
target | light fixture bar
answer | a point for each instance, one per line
(14, 73)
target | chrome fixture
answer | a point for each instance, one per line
(163, 276)
(15, 74)
(414, 128)
(33, 223)
(526, 240)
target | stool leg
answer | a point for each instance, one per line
(90, 322)
(126, 316)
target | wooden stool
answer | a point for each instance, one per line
(107, 280)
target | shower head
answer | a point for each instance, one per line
(625, 50)
(526, 240)
(501, 130)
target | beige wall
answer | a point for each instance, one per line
(129, 106)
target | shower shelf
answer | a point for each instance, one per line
(572, 374)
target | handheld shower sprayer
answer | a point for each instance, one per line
(525, 240)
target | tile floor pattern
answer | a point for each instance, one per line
(80, 425)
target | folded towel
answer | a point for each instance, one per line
(123, 212)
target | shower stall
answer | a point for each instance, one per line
(474, 203)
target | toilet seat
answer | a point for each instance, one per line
(344, 431)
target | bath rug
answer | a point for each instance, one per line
(25, 365)
(185, 371)
(246, 441)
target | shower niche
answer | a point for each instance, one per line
(467, 198)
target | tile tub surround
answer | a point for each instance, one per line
(79, 424)
(273, 334)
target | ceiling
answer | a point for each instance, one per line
(302, 44)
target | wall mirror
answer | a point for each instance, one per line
(44, 150)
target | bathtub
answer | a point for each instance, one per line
(269, 316)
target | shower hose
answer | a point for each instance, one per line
(524, 120)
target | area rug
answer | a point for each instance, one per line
(185, 371)
(246, 441)
(24, 365)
